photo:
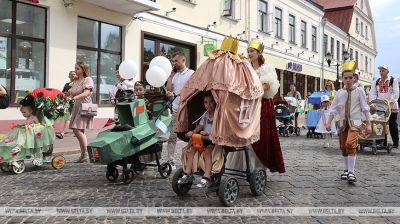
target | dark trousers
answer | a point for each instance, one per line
(393, 128)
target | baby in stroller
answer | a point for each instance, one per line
(285, 113)
(193, 155)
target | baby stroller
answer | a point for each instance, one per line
(135, 137)
(285, 113)
(314, 113)
(236, 102)
(380, 128)
(36, 140)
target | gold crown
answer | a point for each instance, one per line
(257, 44)
(230, 44)
(349, 66)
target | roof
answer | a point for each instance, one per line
(330, 4)
(338, 12)
(341, 18)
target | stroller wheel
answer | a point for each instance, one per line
(18, 167)
(258, 182)
(165, 170)
(374, 149)
(128, 176)
(228, 191)
(389, 148)
(58, 162)
(5, 167)
(180, 189)
(297, 131)
(112, 174)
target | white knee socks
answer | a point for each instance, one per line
(351, 162)
(346, 164)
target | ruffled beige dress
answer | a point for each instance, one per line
(78, 121)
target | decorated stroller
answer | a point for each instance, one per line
(285, 113)
(380, 128)
(237, 92)
(35, 140)
(136, 136)
(314, 113)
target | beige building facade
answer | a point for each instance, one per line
(40, 42)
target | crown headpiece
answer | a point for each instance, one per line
(349, 66)
(230, 44)
(256, 44)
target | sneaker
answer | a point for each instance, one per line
(185, 179)
(326, 144)
(203, 183)
(344, 175)
(351, 177)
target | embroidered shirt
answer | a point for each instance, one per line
(206, 122)
(385, 92)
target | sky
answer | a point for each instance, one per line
(386, 15)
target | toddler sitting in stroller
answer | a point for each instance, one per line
(190, 158)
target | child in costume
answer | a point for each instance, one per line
(140, 89)
(325, 111)
(190, 157)
(351, 104)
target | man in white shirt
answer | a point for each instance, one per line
(176, 82)
(387, 88)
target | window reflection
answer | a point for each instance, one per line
(5, 16)
(31, 21)
(107, 75)
(89, 57)
(110, 37)
(87, 33)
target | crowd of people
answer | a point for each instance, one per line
(342, 112)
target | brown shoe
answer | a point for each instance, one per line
(82, 159)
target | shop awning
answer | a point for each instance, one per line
(128, 7)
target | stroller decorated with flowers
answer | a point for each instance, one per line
(34, 141)
(237, 92)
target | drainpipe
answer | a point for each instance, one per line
(321, 81)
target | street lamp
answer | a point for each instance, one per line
(329, 59)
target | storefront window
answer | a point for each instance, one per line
(153, 46)
(25, 70)
(31, 21)
(5, 16)
(99, 45)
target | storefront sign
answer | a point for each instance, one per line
(207, 48)
(294, 66)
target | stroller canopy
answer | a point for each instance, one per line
(315, 97)
(237, 92)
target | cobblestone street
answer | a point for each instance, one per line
(312, 179)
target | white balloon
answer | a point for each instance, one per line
(163, 63)
(128, 69)
(156, 76)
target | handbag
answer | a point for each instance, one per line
(88, 109)
(4, 100)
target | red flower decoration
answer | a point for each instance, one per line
(39, 134)
(13, 125)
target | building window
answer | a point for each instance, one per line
(366, 64)
(314, 38)
(263, 16)
(351, 54)
(333, 47)
(338, 50)
(303, 34)
(366, 32)
(155, 45)
(357, 59)
(362, 4)
(325, 44)
(292, 29)
(343, 50)
(99, 45)
(362, 29)
(357, 26)
(22, 48)
(228, 8)
(278, 23)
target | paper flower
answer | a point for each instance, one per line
(13, 125)
(39, 134)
